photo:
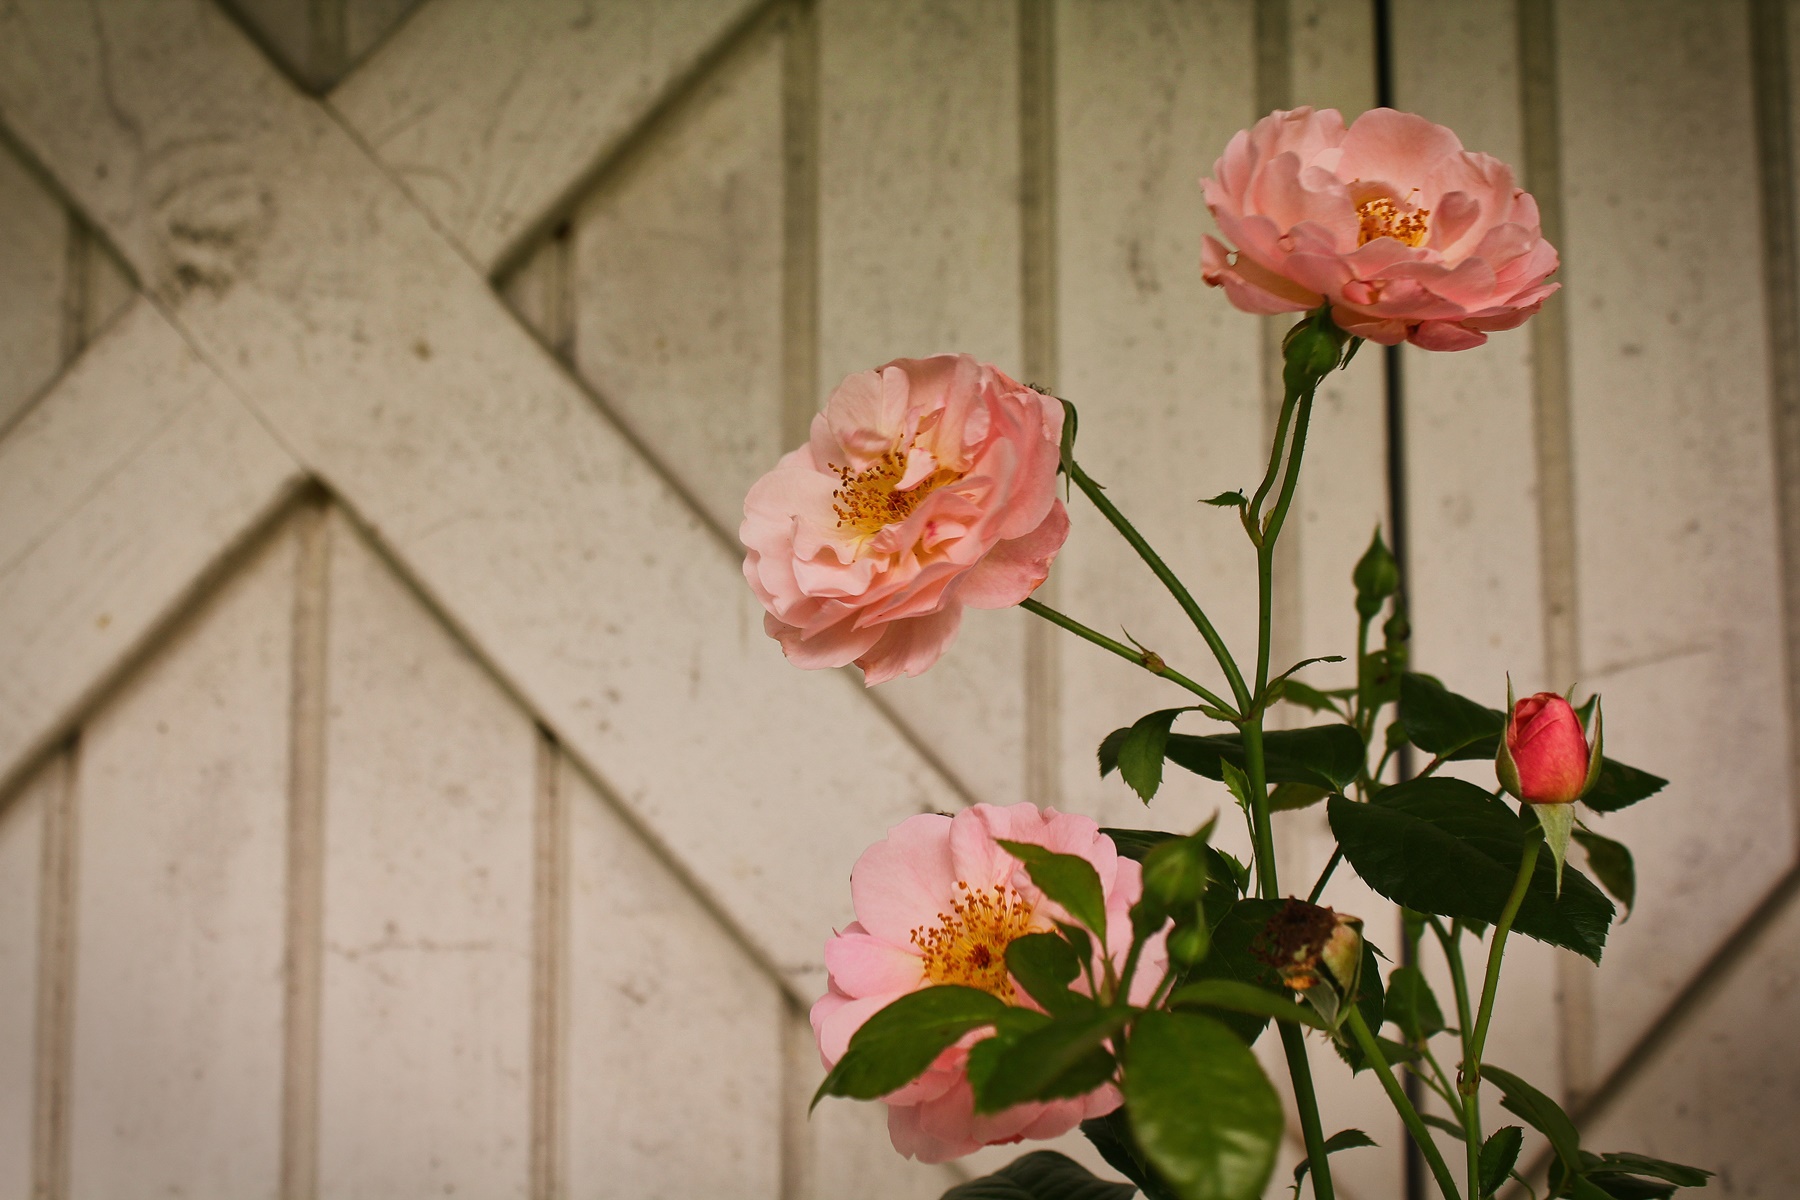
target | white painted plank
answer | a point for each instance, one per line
(1721, 1093)
(677, 283)
(674, 1033)
(386, 362)
(849, 1152)
(181, 906)
(919, 243)
(21, 855)
(1475, 584)
(425, 1009)
(115, 494)
(1165, 374)
(34, 230)
(492, 113)
(1680, 625)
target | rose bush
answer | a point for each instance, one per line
(928, 484)
(1407, 235)
(938, 901)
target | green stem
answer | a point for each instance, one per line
(1490, 987)
(1293, 1042)
(1470, 1111)
(1253, 511)
(1442, 1086)
(1359, 1029)
(1265, 550)
(1152, 663)
(1183, 597)
(1318, 887)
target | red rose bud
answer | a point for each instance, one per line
(1544, 757)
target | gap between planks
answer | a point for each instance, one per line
(549, 974)
(56, 982)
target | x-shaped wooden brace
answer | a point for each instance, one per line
(315, 313)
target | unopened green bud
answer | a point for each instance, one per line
(1175, 872)
(1377, 576)
(1189, 941)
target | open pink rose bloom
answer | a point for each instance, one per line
(938, 901)
(1407, 235)
(927, 485)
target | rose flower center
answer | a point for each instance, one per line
(1381, 217)
(969, 944)
(868, 500)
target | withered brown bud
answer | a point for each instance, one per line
(1302, 938)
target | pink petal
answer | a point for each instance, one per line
(1400, 149)
(909, 646)
(862, 964)
(1013, 569)
(905, 880)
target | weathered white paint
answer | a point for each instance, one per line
(425, 1014)
(677, 283)
(181, 845)
(33, 264)
(21, 854)
(919, 244)
(491, 114)
(116, 493)
(1678, 579)
(674, 1059)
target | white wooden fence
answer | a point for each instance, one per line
(397, 793)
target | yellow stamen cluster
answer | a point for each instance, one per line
(1381, 217)
(969, 944)
(867, 500)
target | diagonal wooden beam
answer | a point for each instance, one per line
(370, 345)
(118, 494)
(496, 141)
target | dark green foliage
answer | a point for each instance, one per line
(1041, 1175)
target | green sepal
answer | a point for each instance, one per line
(1558, 821)
(1504, 766)
(1594, 756)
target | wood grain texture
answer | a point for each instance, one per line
(34, 258)
(426, 1007)
(21, 881)
(1475, 585)
(919, 253)
(491, 140)
(677, 278)
(116, 494)
(674, 1033)
(377, 352)
(1677, 568)
(177, 1063)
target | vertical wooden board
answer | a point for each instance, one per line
(34, 233)
(180, 906)
(1474, 587)
(21, 852)
(677, 283)
(674, 1034)
(919, 249)
(425, 1012)
(494, 113)
(1721, 1092)
(1165, 372)
(1679, 593)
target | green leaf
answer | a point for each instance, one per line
(894, 1046)
(1620, 786)
(1643, 1164)
(1449, 1127)
(1234, 996)
(1226, 877)
(1136, 843)
(1498, 1156)
(1443, 846)
(1307, 696)
(1442, 723)
(1343, 1139)
(1108, 753)
(1068, 880)
(1289, 796)
(1611, 864)
(1111, 1136)
(1237, 783)
(1044, 964)
(1305, 662)
(1041, 1175)
(1201, 1107)
(1140, 754)
(1233, 499)
(1538, 1111)
(1327, 756)
(1412, 1006)
(1232, 957)
(1067, 1057)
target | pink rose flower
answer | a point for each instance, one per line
(1549, 750)
(927, 485)
(938, 901)
(1407, 235)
